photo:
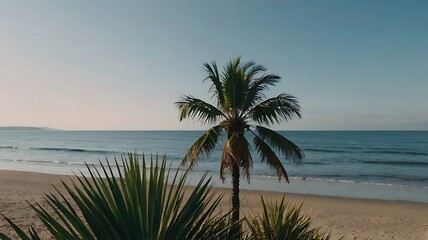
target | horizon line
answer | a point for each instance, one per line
(178, 130)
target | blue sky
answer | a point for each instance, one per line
(115, 65)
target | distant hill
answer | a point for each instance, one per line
(27, 128)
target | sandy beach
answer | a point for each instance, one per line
(352, 218)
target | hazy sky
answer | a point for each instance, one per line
(116, 65)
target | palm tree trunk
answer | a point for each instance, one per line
(235, 200)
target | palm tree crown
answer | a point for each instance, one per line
(240, 102)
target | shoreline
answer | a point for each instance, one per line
(349, 217)
(345, 189)
(60, 177)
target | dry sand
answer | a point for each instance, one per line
(352, 218)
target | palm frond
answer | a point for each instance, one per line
(216, 85)
(280, 143)
(246, 158)
(197, 108)
(202, 147)
(228, 158)
(236, 152)
(255, 91)
(234, 64)
(253, 70)
(268, 155)
(235, 86)
(274, 110)
(247, 67)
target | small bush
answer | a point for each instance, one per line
(280, 221)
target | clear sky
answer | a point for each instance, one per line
(122, 65)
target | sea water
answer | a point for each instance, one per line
(390, 165)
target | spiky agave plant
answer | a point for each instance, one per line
(133, 203)
(280, 221)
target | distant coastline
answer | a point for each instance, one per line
(15, 128)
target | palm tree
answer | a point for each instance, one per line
(241, 107)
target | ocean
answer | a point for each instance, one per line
(390, 165)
